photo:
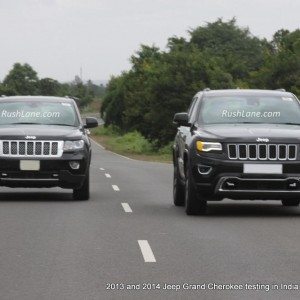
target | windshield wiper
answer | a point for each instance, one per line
(60, 124)
(287, 123)
(30, 123)
(251, 123)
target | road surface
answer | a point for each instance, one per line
(128, 241)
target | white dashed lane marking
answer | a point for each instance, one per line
(107, 175)
(115, 187)
(102, 169)
(126, 207)
(146, 251)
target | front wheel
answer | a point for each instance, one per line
(83, 193)
(195, 204)
(290, 202)
(178, 188)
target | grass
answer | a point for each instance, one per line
(131, 144)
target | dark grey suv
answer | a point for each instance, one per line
(43, 143)
(238, 144)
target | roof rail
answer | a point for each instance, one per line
(281, 90)
(206, 89)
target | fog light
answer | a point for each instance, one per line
(74, 165)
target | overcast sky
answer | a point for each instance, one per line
(57, 37)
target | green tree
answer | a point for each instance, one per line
(48, 87)
(21, 80)
(112, 108)
(281, 68)
(80, 91)
(239, 50)
(219, 55)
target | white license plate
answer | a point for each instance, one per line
(263, 168)
(29, 165)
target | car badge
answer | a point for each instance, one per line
(264, 140)
(30, 137)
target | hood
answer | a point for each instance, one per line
(41, 132)
(250, 132)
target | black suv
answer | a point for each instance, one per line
(43, 143)
(238, 144)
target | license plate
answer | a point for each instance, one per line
(29, 165)
(263, 168)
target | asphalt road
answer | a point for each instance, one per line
(128, 241)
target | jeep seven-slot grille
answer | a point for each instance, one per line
(31, 148)
(262, 151)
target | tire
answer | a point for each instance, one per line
(83, 193)
(178, 189)
(195, 204)
(290, 202)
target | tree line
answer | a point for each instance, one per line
(22, 79)
(219, 55)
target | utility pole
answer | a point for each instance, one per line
(81, 74)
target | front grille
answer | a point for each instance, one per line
(31, 148)
(262, 151)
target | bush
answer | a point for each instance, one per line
(106, 130)
(133, 142)
(166, 149)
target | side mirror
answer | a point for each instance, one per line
(90, 122)
(181, 119)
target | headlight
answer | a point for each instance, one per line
(73, 145)
(208, 146)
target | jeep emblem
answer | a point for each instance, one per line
(265, 140)
(30, 137)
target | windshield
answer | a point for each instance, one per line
(38, 112)
(250, 109)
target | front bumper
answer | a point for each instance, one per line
(227, 180)
(53, 172)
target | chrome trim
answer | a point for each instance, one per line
(266, 147)
(232, 157)
(295, 157)
(259, 191)
(255, 151)
(269, 151)
(285, 147)
(204, 173)
(239, 155)
(223, 179)
(60, 145)
(29, 179)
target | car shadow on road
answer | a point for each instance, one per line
(36, 196)
(274, 209)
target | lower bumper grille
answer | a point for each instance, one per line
(235, 184)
